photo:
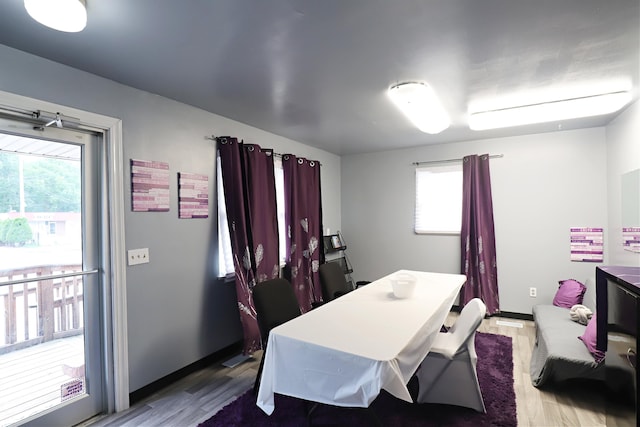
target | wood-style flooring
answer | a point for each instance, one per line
(198, 396)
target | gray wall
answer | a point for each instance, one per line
(177, 312)
(543, 185)
(623, 156)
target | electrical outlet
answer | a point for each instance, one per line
(533, 292)
(138, 256)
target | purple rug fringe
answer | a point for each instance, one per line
(495, 374)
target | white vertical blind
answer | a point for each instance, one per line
(225, 257)
(282, 232)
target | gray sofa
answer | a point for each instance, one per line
(558, 354)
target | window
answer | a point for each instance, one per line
(438, 199)
(282, 232)
(225, 256)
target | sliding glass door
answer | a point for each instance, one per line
(51, 276)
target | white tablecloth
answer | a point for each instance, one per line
(345, 352)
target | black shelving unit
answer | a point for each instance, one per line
(335, 251)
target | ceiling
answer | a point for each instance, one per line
(318, 71)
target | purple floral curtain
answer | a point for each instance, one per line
(478, 242)
(250, 196)
(303, 221)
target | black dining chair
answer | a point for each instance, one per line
(332, 281)
(275, 303)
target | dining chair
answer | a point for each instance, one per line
(448, 373)
(332, 281)
(275, 303)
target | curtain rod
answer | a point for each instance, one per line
(215, 138)
(492, 156)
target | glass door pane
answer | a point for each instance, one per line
(50, 364)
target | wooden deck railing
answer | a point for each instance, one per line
(39, 310)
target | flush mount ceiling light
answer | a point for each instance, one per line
(62, 15)
(421, 105)
(565, 109)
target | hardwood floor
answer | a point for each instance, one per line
(198, 396)
(570, 404)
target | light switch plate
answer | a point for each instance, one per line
(138, 256)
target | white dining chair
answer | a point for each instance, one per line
(448, 373)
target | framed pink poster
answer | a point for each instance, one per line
(149, 186)
(587, 244)
(631, 239)
(193, 195)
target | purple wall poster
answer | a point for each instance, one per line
(193, 195)
(149, 186)
(631, 239)
(587, 244)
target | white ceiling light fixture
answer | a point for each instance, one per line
(565, 109)
(421, 105)
(63, 15)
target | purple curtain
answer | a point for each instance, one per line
(303, 221)
(250, 196)
(478, 242)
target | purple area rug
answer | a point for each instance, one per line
(495, 374)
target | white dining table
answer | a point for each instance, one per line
(345, 352)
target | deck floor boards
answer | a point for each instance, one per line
(30, 379)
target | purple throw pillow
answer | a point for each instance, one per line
(569, 293)
(589, 340)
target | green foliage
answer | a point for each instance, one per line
(50, 185)
(4, 226)
(9, 182)
(16, 231)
